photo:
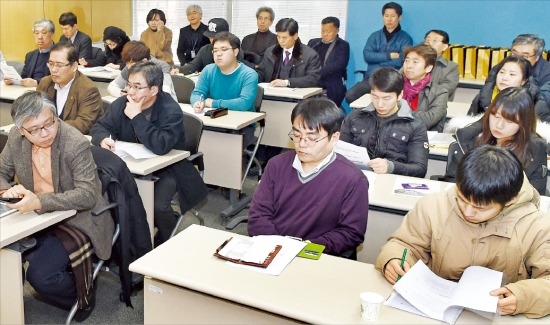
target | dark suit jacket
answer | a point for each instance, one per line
(75, 180)
(30, 70)
(83, 106)
(82, 43)
(333, 72)
(305, 68)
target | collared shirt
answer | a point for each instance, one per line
(290, 51)
(73, 37)
(47, 50)
(297, 164)
(61, 96)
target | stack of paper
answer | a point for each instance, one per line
(134, 150)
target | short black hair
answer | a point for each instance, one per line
(67, 18)
(233, 40)
(151, 72)
(154, 12)
(287, 25)
(393, 5)
(331, 20)
(489, 174)
(319, 113)
(72, 53)
(387, 80)
(441, 33)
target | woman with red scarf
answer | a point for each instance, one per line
(428, 101)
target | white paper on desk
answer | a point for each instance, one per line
(11, 73)
(96, 69)
(134, 150)
(187, 108)
(437, 139)
(265, 85)
(356, 154)
(289, 249)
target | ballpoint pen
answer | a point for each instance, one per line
(402, 262)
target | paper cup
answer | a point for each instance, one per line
(370, 305)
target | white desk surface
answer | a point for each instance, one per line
(12, 92)
(18, 225)
(292, 93)
(99, 74)
(453, 108)
(325, 291)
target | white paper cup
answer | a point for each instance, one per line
(370, 305)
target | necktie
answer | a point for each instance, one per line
(287, 58)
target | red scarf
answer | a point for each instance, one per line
(410, 92)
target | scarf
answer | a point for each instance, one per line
(80, 252)
(410, 92)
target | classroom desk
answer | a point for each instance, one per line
(278, 104)
(7, 95)
(13, 228)
(99, 76)
(186, 284)
(471, 83)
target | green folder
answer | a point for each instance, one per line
(312, 251)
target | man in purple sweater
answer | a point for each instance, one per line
(313, 193)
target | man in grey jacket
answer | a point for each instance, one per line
(445, 72)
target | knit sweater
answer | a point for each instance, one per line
(329, 209)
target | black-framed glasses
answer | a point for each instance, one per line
(137, 87)
(38, 131)
(309, 142)
(222, 50)
(60, 65)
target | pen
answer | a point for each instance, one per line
(112, 147)
(402, 262)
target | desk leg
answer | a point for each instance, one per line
(146, 189)
(11, 288)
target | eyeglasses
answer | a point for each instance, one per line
(525, 55)
(59, 65)
(223, 50)
(309, 142)
(137, 87)
(38, 131)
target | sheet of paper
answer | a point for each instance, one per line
(96, 69)
(440, 140)
(419, 187)
(11, 73)
(134, 150)
(290, 248)
(187, 108)
(478, 279)
(429, 293)
(266, 85)
(356, 154)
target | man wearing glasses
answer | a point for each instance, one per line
(445, 72)
(254, 45)
(313, 193)
(531, 46)
(77, 99)
(55, 170)
(150, 116)
(227, 83)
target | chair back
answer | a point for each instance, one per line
(96, 52)
(192, 127)
(183, 87)
(259, 99)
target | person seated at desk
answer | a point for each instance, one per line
(82, 42)
(133, 52)
(115, 39)
(192, 38)
(531, 46)
(35, 67)
(334, 55)
(158, 37)
(77, 99)
(512, 71)
(312, 192)
(427, 100)
(445, 72)
(491, 218)
(289, 63)
(384, 48)
(150, 116)
(227, 83)
(396, 142)
(509, 122)
(254, 45)
(54, 167)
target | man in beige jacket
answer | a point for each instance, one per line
(491, 219)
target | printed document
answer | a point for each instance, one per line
(11, 73)
(356, 154)
(422, 292)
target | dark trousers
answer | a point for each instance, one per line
(49, 271)
(165, 220)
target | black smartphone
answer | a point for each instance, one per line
(10, 199)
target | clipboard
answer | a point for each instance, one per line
(270, 257)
